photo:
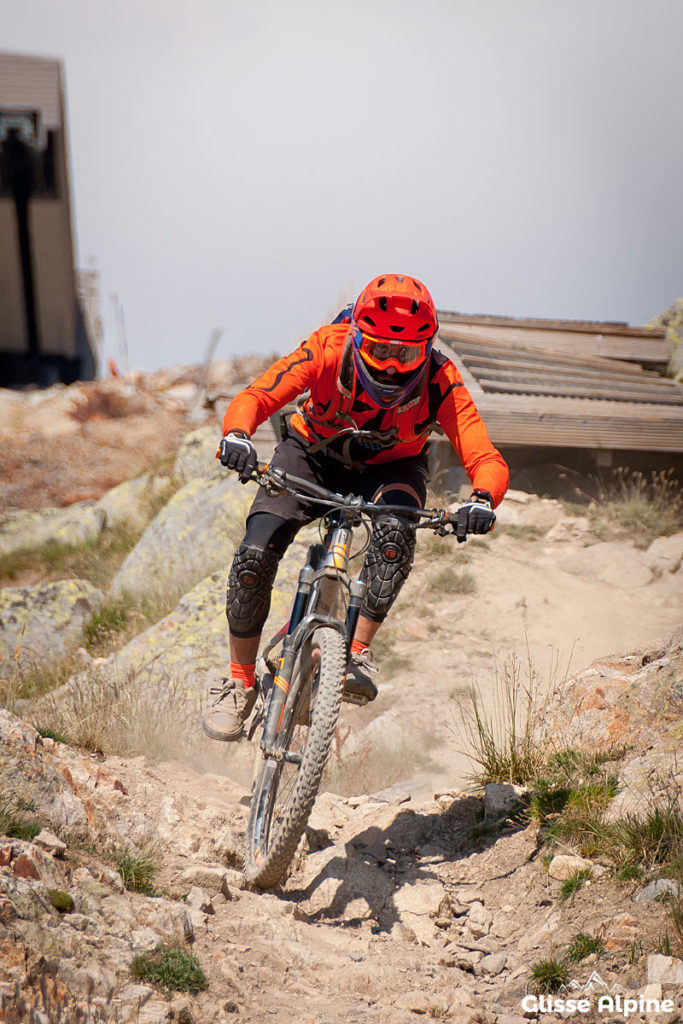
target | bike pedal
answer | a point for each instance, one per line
(355, 698)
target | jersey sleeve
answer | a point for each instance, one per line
(282, 382)
(466, 431)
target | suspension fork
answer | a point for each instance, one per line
(313, 601)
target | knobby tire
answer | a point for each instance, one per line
(272, 838)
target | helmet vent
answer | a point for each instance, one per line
(425, 327)
(396, 330)
(415, 306)
(383, 303)
(382, 281)
(368, 320)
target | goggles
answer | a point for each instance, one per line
(382, 353)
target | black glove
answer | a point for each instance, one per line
(475, 516)
(238, 453)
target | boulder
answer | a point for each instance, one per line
(570, 528)
(193, 535)
(74, 526)
(196, 458)
(501, 797)
(613, 562)
(566, 864)
(339, 884)
(417, 904)
(184, 653)
(665, 554)
(659, 887)
(664, 970)
(43, 622)
(132, 502)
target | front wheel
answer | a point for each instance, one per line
(285, 787)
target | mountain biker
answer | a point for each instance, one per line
(377, 388)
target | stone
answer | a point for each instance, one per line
(51, 843)
(479, 920)
(210, 877)
(660, 887)
(665, 554)
(566, 864)
(43, 623)
(491, 964)
(664, 970)
(196, 458)
(415, 1001)
(74, 526)
(191, 537)
(501, 797)
(613, 562)
(24, 867)
(200, 899)
(568, 529)
(619, 932)
(132, 502)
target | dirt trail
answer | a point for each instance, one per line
(392, 911)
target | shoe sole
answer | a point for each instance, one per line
(214, 735)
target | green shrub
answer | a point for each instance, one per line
(573, 883)
(583, 945)
(170, 968)
(549, 976)
(138, 869)
(13, 823)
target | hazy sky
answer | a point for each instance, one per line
(247, 164)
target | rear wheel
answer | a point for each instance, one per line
(285, 788)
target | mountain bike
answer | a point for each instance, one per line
(301, 690)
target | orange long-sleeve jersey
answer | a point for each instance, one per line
(337, 406)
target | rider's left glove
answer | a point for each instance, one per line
(475, 516)
(238, 453)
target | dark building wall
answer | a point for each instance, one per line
(43, 337)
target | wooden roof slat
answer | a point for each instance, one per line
(541, 324)
(577, 391)
(626, 347)
(476, 360)
(475, 346)
(605, 384)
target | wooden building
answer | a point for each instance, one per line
(576, 395)
(43, 334)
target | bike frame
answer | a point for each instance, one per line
(321, 584)
(317, 603)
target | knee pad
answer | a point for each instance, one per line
(387, 564)
(249, 586)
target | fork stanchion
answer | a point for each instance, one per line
(357, 592)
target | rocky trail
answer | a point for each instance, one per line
(412, 895)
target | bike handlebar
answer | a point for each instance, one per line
(291, 484)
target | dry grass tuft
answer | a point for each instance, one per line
(109, 713)
(504, 744)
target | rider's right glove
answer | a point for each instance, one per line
(238, 453)
(475, 516)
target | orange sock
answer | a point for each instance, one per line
(358, 647)
(243, 672)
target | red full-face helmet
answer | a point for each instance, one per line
(394, 324)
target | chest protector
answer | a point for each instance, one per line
(339, 419)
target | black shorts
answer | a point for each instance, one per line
(292, 456)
